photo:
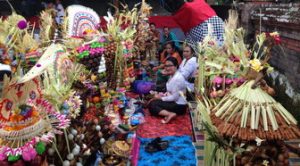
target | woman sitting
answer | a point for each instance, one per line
(161, 78)
(171, 103)
(188, 67)
(170, 51)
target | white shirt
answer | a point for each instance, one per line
(187, 68)
(4, 67)
(175, 85)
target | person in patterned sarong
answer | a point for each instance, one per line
(194, 18)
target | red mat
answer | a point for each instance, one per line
(153, 128)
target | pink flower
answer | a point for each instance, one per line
(17, 151)
(48, 137)
(28, 153)
(218, 80)
(3, 151)
(239, 81)
(127, 55)
(228, 81)
(277, 40)
(101, 50)
(234, 59)
(83, 48)
(102, 40)
(2, 157)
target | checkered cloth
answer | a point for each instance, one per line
(198, 33)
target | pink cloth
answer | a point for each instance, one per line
(135, 151)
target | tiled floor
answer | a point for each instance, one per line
(198, 143)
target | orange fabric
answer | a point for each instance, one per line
(176, 55)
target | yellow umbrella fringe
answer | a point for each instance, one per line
(204, 112)
(257, 116)
(263, 97)
(247, 108)
(221, 103)
(243, 115)
(230, 108)
(288, 114)
(224, 107)
(253, 97)
(236, 110)
(260, 96)
(272, 118)
(281, 113)
(253, 113)
(265, 120)
(207, 102)
(240, 93)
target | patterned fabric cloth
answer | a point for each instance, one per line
(180, 152)
(198, 33)
(153, 128)
(192, 14)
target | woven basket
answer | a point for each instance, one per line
(121, 148)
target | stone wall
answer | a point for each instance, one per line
(285, 19)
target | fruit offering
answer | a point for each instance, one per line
(90, 55)
(109, 62)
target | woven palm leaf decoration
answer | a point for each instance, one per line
(48, 58)
(27, 120)
(247, 113)
(81, 19)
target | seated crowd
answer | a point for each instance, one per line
(175, 75)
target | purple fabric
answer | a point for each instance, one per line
(142, 87)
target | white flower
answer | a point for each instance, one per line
(258, 141)
(109, 18)
(265, 163)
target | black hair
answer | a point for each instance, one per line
(174, 61)
(172, 43)
(175, 48)
(166, 27)
(152, 23)
(192, 49)
(3, 73)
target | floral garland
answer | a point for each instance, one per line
(72, 106)
(35, 145)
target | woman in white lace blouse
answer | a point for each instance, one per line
(172, 103)
(188, 67)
